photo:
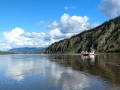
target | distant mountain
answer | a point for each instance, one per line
(104, 38)
(1, 52)
(28, 50)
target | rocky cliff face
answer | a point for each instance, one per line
(104, 38)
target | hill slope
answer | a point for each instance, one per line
(27, 50)
(104, 38)
(1, 52)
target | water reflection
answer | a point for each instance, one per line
(89, 57)
(18, 69)
(105, 66)
(19, 66)
(47, 75)
(68, 78)
(60, 72)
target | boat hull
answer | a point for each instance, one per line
(87, 54)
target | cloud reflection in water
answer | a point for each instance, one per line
(19, 67)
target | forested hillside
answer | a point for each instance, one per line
(103, 38)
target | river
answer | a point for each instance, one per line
(60, 72)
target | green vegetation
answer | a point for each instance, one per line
(71, 48)
(103, 38)
(6, 53)
(114, 50)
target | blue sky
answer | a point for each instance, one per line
(27, 13)
(37, 23)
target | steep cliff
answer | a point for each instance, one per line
(104, 38)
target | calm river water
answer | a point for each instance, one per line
(60, 72)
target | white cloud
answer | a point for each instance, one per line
(68, 26)
(14, 35)
(18, 38)
(57, 34)
(55, 24)
(73, 24)
(70, 7)
(111, 8)
(4, 46)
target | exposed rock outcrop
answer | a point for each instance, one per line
(103, 38)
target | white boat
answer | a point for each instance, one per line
(85, 53)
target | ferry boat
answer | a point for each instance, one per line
(85, 53)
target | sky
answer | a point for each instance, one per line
(39, 23)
